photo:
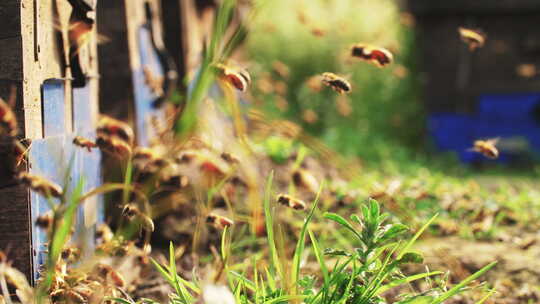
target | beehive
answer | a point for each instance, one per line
(56, 87)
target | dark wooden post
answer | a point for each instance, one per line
(56, 88)
(137, 72)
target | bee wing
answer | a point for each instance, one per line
(493, 141)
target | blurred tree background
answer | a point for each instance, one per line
(382, 118)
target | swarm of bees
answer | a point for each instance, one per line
(237, 77)
(337, 83)
(473, 38)
(381, 57)
(486, 148)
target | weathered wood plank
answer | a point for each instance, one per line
(11, 60)
(15, 236)
(10, 19)
(114, 64)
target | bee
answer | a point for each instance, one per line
(486, 148)
(8, 122)
(229, 158)
(310, 116)
(302, 178)
(473, 38)
(104, 233)
(291, 202)
(212, 168)
(117, 279)
(155, 83)
(337, 83)
(281, 69)
(45, 221)
(318, 32)
(177, 181)
(149, 155)
(113, 144)
(130, 211)
(107, 272)
(237, 77)
(219, 221)
(84, 143)
(186, 158)
(377, 55)
(314, 83)
(71, 254)
(40, 185)
(113, 127)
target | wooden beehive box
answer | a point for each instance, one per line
(137, 73)
(56, 87)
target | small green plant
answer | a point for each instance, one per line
(360, 275)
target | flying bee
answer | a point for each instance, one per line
(376, 55)
(486, 147)
(337, 83)
(281, 69)
(40, 185)
(176, 181)
(45, 221)
(219, 221)
(104, 233)
(79, 33)
(148, 156)
(130, 211)
(111, 126)
(229, 158)
(237, 77)
(71, 253)
(473, 38)
(291, 202)
(186, 158)
(113, 145)
(8, 122)
(304, 179)
(107, 272)
(84, 143)
(318, 32)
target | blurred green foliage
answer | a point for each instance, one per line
(387, 117)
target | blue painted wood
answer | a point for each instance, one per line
(87, 163)
(54, 114)
(144, 97)
(56, 158)
(50, 159)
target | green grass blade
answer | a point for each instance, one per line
(343, 222)
(127, 181)
(269, 223)
(300, 245)
(405, 280)
(248, 283)
(484, 298)
(320, 258)
(457, 289)
(285, 298)
(415, 237)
